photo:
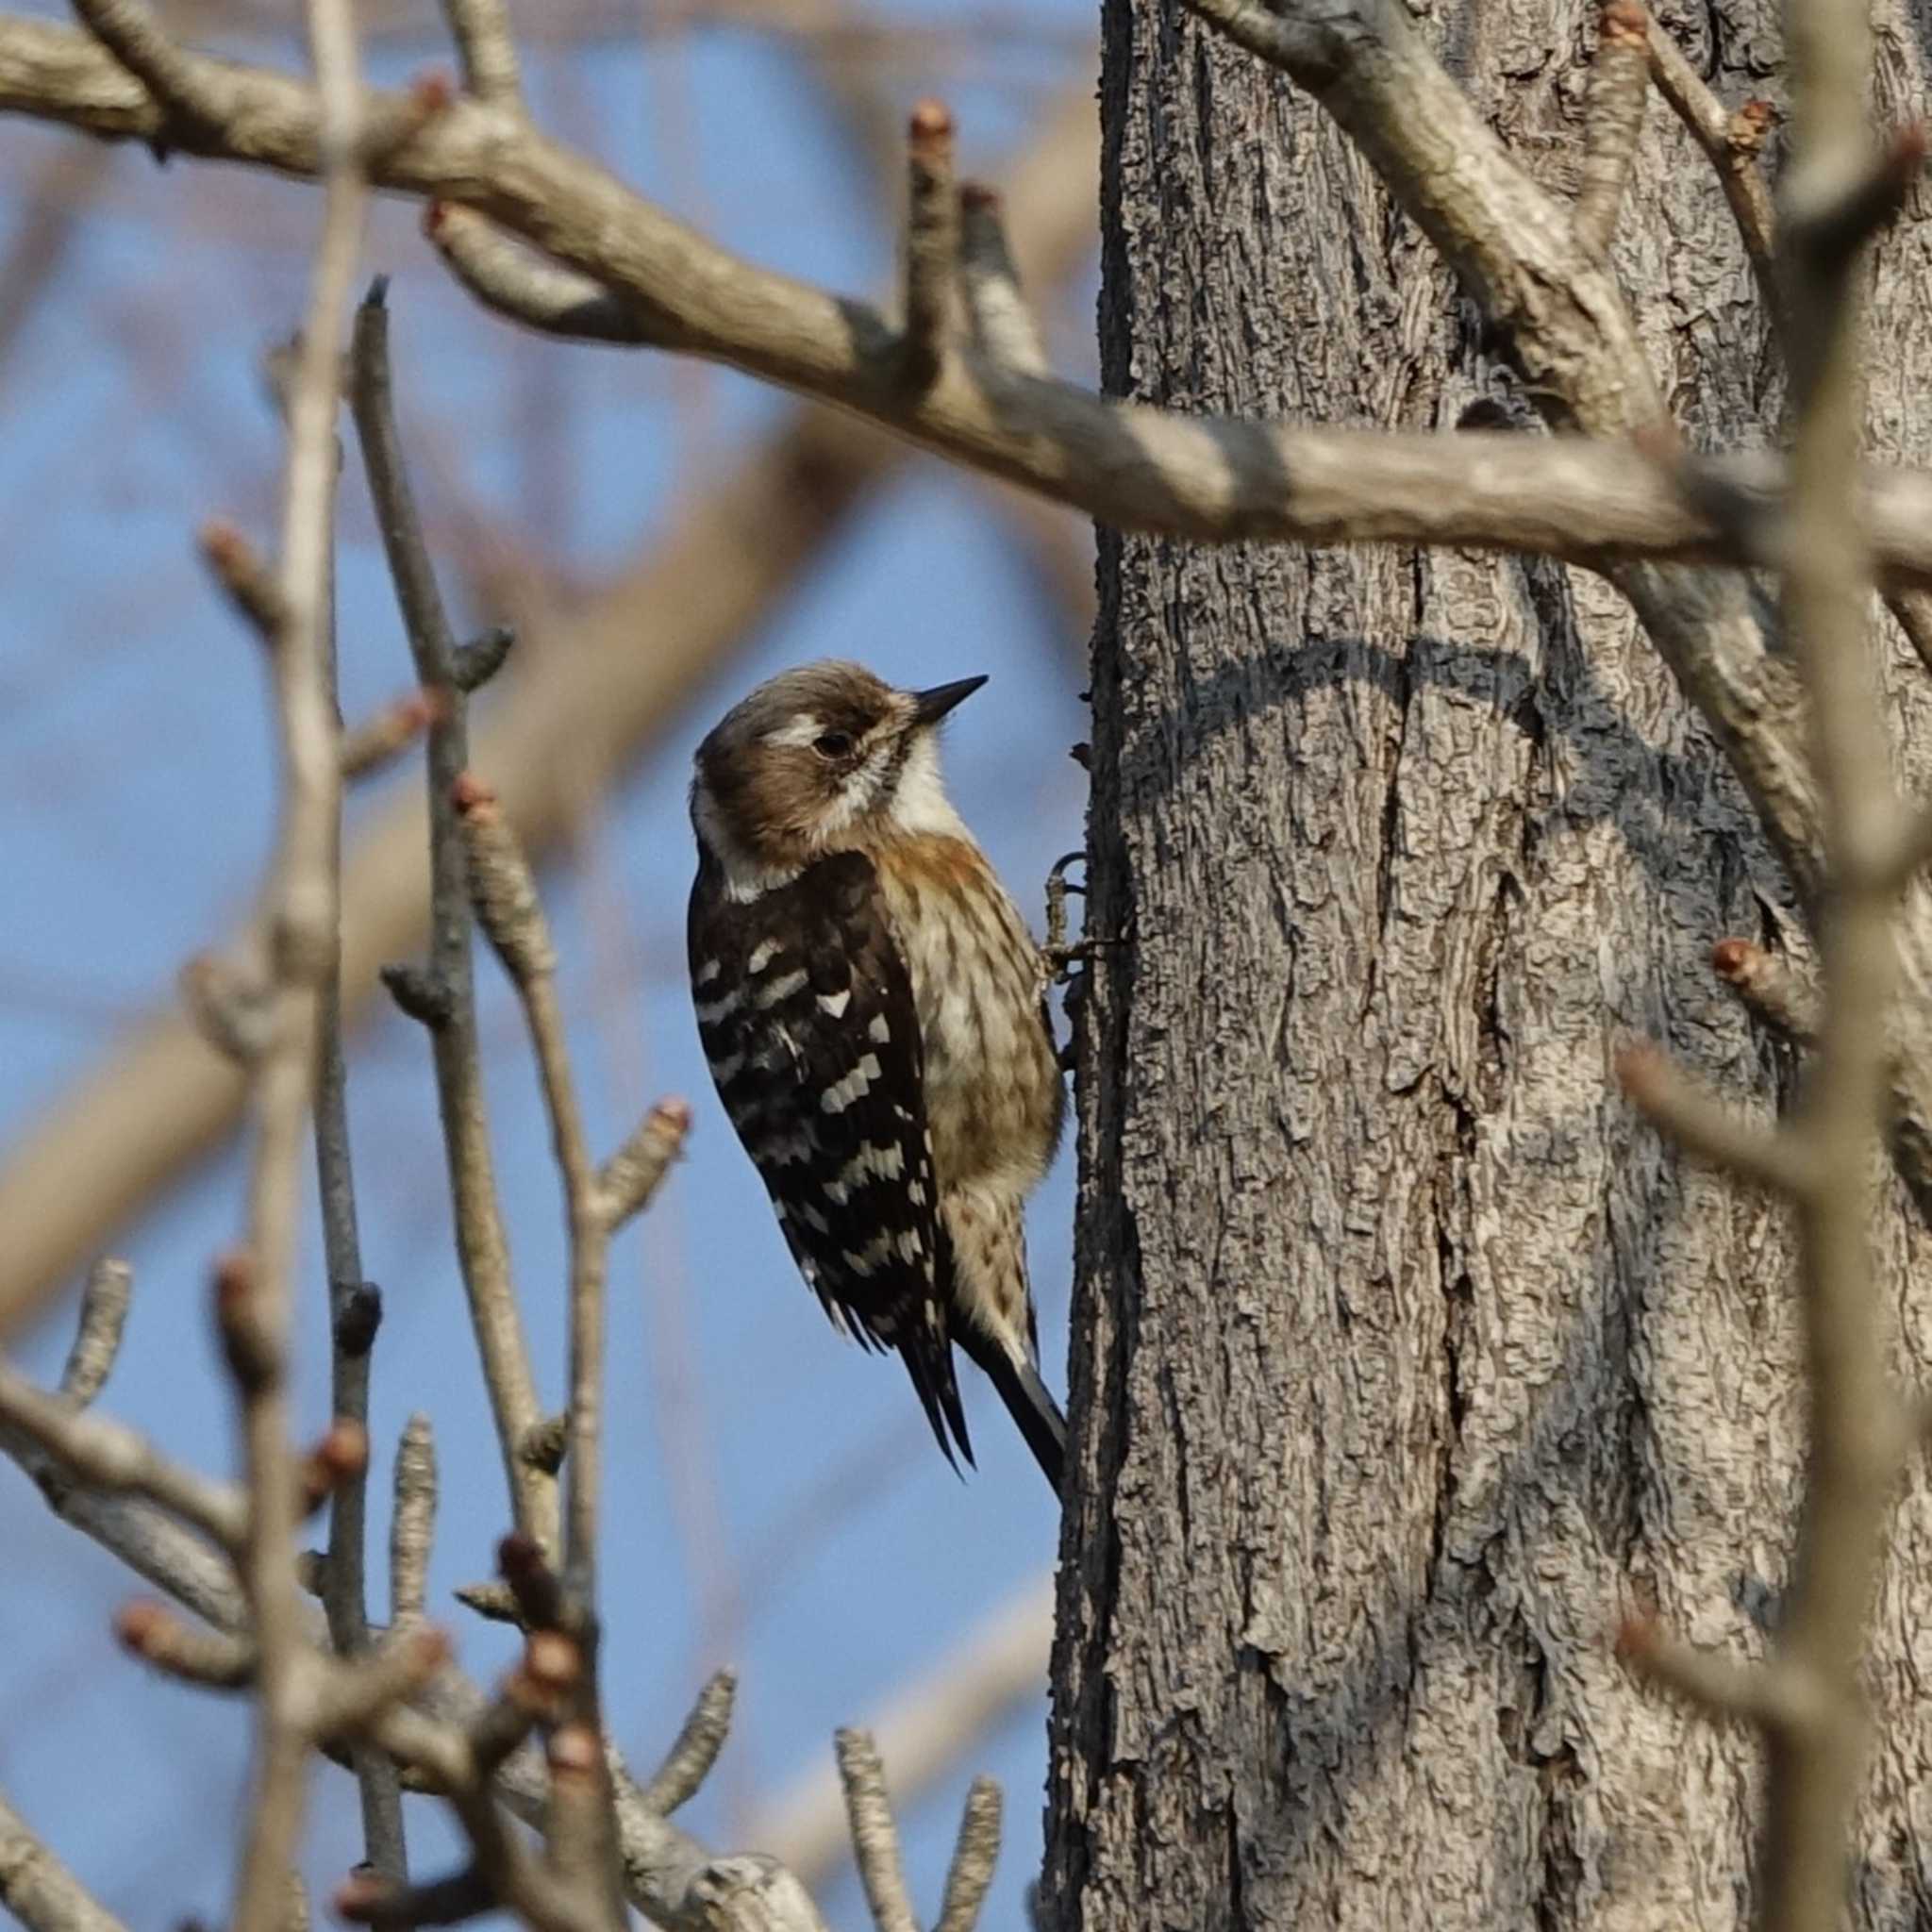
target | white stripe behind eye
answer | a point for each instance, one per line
(796, 733)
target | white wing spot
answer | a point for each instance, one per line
(781, 989)
(835, 1003)
(726, 1071)
(856, 1084)
(878, 1029)
(762, 956)
(712, 1011)
(707, 973)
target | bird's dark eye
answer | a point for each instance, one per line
(832, 745)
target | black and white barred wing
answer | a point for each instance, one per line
(805, 1010)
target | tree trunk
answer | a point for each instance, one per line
(1406, 1360)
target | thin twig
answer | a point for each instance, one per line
(302, 906)
(874, 1835)
(1768, 986)
(486, 50)
(1004, 326)
(480, 1246)
(387, 735)
(215, 1659)
(412, 1521)
(975, 1854)
(583, 1827)
(695, 1749)
(38, 1890)
(355, 1311)
(1702, 1126)
(504, 276)
(630, 1178)
(97, 1337)
(119, 1460)
(1613, 122)
(1731, 143)
(1718, 1686)
(932, 245)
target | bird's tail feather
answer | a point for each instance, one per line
(931, 1370)
(1028, 1401)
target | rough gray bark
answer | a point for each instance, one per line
(1406, 1360)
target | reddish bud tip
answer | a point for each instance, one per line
(431, 91)
(469, 795)
(574, 1750)
(434, 214)
(930, 120)
(234, 1279)
(343, 1451)
(1636, 1636)
(551, 1660)
(517, 1554)
(676, 1114)
(220, 541)
(358, 1894)
(977, 194)
(140, 1622)
(1729, 958)
(1908, 145)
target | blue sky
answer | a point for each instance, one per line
(135, 783)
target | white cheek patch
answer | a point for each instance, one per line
(920, 804)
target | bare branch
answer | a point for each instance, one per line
(97, 1339)
(184, 87)
(875, 1836)
(695, 1749)
(386, 736)
(448, 1002)
(932, 246)
(486, 50)
(1004, 327)
(38, 1890)
(974, 1856)
(301, 898)
(353, 1695)
(632, 1176)
(1709, 1131)
(215, 1659)
(1731, 142)
(412, 1521)
(1614, 120)
(354, 1305)
(1721, 1688)
(506, 276)
(112, 1457)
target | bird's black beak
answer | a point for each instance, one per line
(929, 706)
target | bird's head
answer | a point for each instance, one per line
(823, 758)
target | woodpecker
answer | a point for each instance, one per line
(873, 1010)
